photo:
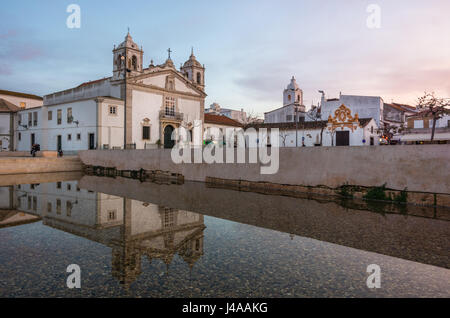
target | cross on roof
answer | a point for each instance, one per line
(170, 51)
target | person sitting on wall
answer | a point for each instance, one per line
(35, 148)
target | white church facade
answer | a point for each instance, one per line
(136, 107)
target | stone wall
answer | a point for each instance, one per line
(422, 168)
(17, 165)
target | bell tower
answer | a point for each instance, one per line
(293, 94)
(194, 71)
(127, 54)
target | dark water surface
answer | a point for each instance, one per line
(166, 240)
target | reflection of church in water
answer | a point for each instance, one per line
(133, 229)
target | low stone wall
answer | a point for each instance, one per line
(17, 165)
(419, 168)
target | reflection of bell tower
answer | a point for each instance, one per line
(134, 57)
(126, 259)
(126, 264)
(192, 250)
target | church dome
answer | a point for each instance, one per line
(293, 84)
(128, 43)
(192, 61)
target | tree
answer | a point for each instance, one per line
(434, 107)
(251, 118)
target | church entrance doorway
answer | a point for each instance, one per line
(168, 142)
(91, 141)
(59, 143)
(342, 138)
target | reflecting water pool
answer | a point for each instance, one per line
(190, 240)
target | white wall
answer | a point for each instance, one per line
(364, 106)
(145, 105)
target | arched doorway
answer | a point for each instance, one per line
(168, 142)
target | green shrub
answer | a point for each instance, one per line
(376, 193)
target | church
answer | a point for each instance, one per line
(140, 107)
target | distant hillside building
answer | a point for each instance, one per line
(238, 115)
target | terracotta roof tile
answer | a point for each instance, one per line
(7, 107)
(221, 120)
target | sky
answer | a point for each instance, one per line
(250, 48)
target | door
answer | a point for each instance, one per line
(33, 140)
(342, 138)
(59, 143)
(168, 142)
(91, 141)
(372, 141)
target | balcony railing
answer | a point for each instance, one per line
(170, 115)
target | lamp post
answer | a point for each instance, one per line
(296, 126)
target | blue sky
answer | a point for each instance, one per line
(250, 48)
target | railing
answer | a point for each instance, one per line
(170, 114)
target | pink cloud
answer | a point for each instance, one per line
(5, 70)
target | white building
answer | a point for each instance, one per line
(343, 129)
(238, 115)
(159, 100)
(364, 106)
(7, 124)
(292, 106)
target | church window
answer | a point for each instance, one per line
(50, 115)
(371, 130)
(129, 63)
(112, 110)
(69, 115)
(146, 132)
(68, 208)
(59, 116)
(199, 78)
(20, 136)
(58, 206)
(288, 117)
(30, 120)
(289, 97)
(49, 207)
(134, 62)
(78, 136)
(298, 98)
(69, 137)
(169, 106)
(20, 119)
(35, 118)
(112, 215)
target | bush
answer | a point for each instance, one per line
(376, 193)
